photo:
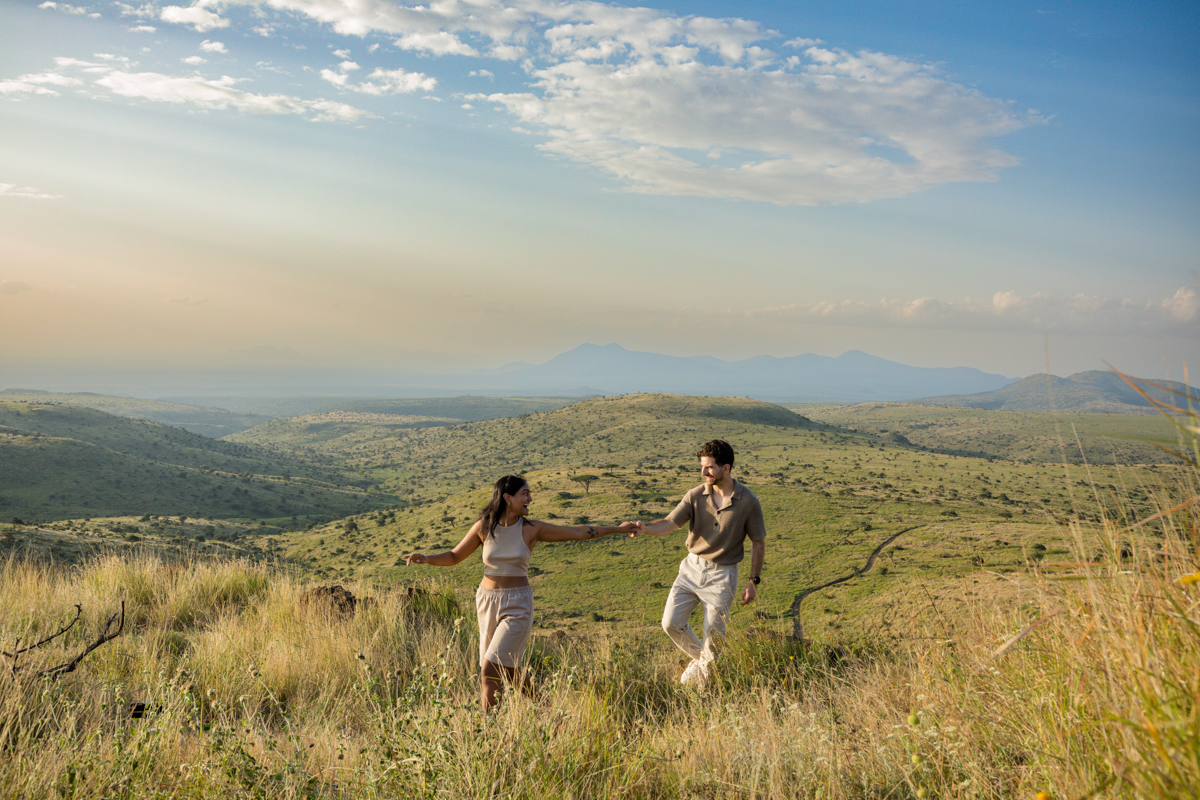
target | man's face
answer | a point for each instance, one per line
(711, 471)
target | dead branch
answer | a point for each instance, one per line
(47, 640)
(105, 636)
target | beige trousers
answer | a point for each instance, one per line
(700, 582)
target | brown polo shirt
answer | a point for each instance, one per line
(717, 534)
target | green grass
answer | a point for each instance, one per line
(830, 495)
(1032, 629)
(1027, 436)
(1076, 687)
(59, 462)
(211, 422)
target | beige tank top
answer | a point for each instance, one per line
(505, 552)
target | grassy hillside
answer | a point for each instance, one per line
(831, 497)
(1092, 392)
(1026, 629)
(1009, 435)
(594, 434)
(338, 433)
(226, 681)
(59, 461)
(466, 408)
(211, 422)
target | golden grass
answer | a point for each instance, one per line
(1086, 683)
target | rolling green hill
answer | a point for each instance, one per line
(1084, 392)
(831, 497)
(1010, 435)
(602, 432)
(464, 409)
(211, 422)
(60, 461)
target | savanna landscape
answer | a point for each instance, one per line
(956, 602)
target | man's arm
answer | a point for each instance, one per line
(758, 552)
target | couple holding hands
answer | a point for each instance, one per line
(720, 513)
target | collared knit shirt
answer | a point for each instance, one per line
(718, 534)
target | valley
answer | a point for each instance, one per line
(979, 498)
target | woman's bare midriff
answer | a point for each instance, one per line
(503, 581)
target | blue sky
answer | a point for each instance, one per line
(1005, 186)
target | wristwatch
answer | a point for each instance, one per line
(755, 580)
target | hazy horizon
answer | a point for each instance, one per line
(228, 184)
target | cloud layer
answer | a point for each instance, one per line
(1178, 314)
(662, 103)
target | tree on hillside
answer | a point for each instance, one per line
(586, 480)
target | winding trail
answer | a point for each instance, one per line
(797, 626)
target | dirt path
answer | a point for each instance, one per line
(797, 627)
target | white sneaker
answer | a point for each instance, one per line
(695, 675)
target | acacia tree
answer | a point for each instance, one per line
(586, 480)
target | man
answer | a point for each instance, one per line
(721, 514)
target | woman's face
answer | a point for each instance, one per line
(519, 503)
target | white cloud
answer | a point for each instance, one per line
(213, 47)
(440, 43)
(199, 18)
(195, 61)
(220, 94)
(14, 287)
(146, 10)
(336, 78)
(36, 84)
(86, 66)
(12, 190)
(1183, 306)
(143, 29)
(644, 95)
(383, 81)
(482, 73)
(1009, 311)
(343, 54)
(67, 8)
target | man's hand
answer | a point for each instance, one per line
(637, 527)
(749, 593)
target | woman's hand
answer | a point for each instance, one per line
(415, 558)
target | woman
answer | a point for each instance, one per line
(504, 601)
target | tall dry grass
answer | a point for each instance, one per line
(1088, 686)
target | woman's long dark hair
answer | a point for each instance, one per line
(493, 512)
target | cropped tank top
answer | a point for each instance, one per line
(505, 552)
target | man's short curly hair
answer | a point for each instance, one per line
(718, 450)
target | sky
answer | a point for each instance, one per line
(464, 184)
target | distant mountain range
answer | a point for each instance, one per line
(590, 370)
(1087, 392)
(851, 377)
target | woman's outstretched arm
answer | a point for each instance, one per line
(451, 557)
(547, 532)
